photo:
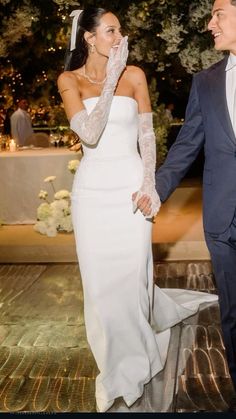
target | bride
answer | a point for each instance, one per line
(127, 318)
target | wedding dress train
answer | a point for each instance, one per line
(127, 318)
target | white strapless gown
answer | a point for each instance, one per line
(115, 258)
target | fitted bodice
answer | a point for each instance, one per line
(119, 138)
(114, 162)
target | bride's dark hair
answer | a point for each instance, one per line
(88, 20)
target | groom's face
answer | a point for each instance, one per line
(223, 25)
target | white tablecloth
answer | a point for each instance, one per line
(22, 175)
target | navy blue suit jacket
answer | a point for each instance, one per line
(207, 123)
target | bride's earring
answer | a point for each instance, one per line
(92, 48)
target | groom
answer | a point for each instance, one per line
(211, 122)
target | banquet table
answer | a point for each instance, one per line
(22, 175)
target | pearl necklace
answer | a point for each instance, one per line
(93, 81)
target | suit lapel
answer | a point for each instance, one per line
(217, 83)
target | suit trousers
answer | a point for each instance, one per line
(222, 248)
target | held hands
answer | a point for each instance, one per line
(146, 199)
(117, 60)
(148, 204)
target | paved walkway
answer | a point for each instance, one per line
(46, 364)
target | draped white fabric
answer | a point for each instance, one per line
(22, 175)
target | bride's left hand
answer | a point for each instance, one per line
(144, 204)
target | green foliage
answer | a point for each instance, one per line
(161, 128)
(167, 38)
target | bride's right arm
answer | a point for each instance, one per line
(89, 127)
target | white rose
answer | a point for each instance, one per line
(72, 165)
(41, 227)
(60, 204)
(44, 211)
(66, 224)
(51, 231)
(67, 211)
(52, 226)
(57, 215)
(46, 228)
(62, 194)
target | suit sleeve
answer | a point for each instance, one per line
(184, 150)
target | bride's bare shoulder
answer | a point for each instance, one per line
(66, 77)
(135, 74)
(133, 70)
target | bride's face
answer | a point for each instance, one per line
(108, 34)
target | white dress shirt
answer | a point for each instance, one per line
(231, 88)
(21, 126)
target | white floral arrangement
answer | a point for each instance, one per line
(55, 216)
(72, 166)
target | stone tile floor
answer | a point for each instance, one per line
(46, 364)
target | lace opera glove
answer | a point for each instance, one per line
(146, 140)
(90, 127)
(117, 63)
